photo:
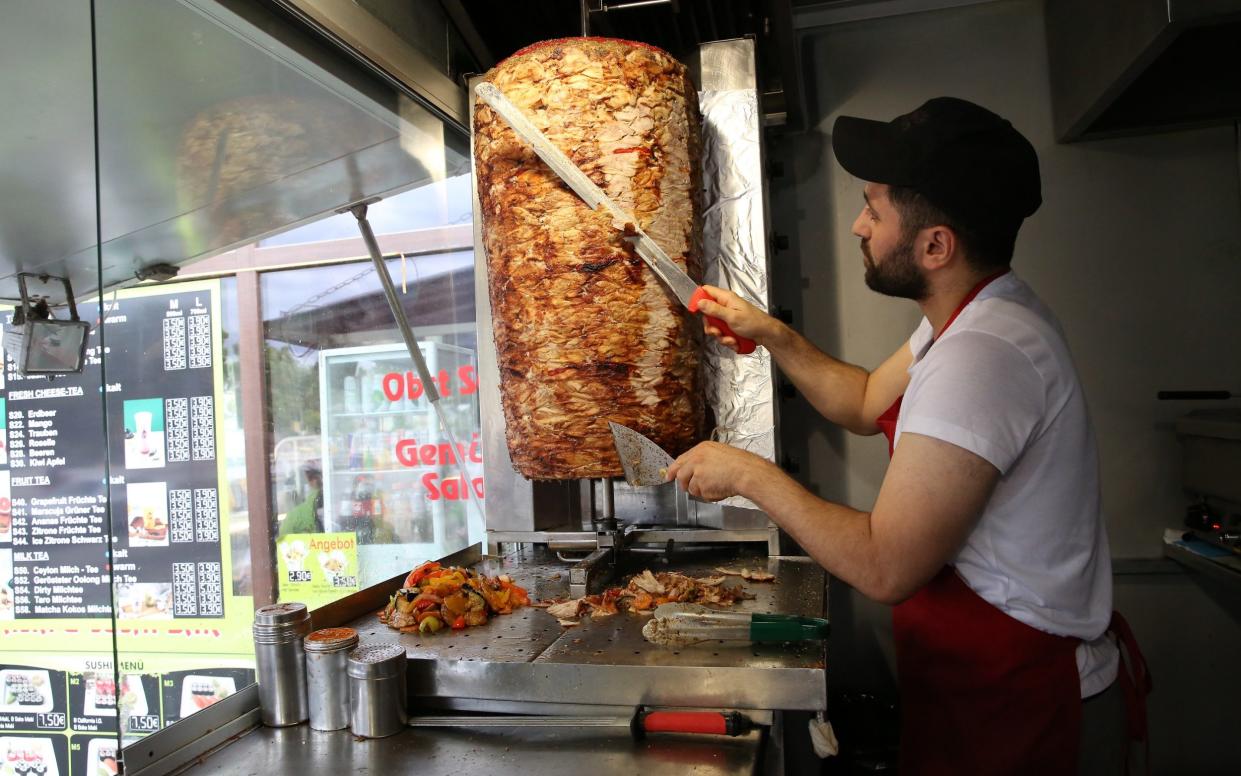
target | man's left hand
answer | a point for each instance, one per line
(712, 471)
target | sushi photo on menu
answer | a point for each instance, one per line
(186, 693)
(26, 690)
(148, 514)
(101, 757)
(198, 692)
(144, 433)
(100, 694)
(29, 756)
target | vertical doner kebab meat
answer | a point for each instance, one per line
(584, 332)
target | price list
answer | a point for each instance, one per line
(157, 475)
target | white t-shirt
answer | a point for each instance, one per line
(1000, 383)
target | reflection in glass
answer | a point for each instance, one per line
(57, 669)
(365, 484)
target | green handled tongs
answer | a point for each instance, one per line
(691, 623)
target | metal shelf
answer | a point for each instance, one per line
(1223, 569)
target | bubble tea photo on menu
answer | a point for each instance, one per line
(144, 433)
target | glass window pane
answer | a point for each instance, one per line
(222, 123)
(58, 676)
(366, 482)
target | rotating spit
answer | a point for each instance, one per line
(591, 521)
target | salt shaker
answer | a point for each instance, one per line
(377, 690)
(279, 633)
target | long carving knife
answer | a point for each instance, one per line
(682, 285)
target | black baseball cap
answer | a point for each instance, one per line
(964, 159)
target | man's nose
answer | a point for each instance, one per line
(860, 227)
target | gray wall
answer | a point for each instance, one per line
(1137, 248)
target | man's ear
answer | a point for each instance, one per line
(938, 245)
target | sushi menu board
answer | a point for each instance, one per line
(63, 712)
(34, 720)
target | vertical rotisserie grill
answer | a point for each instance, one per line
(584, 332)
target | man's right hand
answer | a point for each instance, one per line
(742, 317)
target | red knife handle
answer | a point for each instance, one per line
(716, 723)
(745, 346)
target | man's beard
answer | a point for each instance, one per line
(898, 275)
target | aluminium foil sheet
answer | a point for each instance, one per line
(739, 388)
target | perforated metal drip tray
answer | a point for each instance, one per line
(528, 656)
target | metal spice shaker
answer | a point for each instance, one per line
(279, 632)
(327, 678)
(377, 690)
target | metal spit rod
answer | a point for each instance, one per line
(607, 511)
(411, 344)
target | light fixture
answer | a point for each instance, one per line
(41, 344)
(157, 272)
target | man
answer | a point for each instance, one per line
(986, 536)
(306, 517)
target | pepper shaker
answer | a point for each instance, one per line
(327, 678)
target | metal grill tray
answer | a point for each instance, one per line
(528, 656)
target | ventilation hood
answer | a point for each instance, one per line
(1122, 67)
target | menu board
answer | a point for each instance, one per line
(110, 496)
(136, 523)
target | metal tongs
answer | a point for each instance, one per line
(689, 623)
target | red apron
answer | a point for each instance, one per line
(981, 693)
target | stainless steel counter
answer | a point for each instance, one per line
(528, 657)
(299, 751)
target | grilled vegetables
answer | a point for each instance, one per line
(434, 598)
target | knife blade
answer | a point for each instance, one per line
(683, 287)
(645, 463)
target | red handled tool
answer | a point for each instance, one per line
(745, 345)
(643, 721)
(682, 286)
(713, 723)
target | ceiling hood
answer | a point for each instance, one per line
(1121, 67)
(216, 122)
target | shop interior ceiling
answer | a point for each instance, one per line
(220, 122)
(493, 29)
